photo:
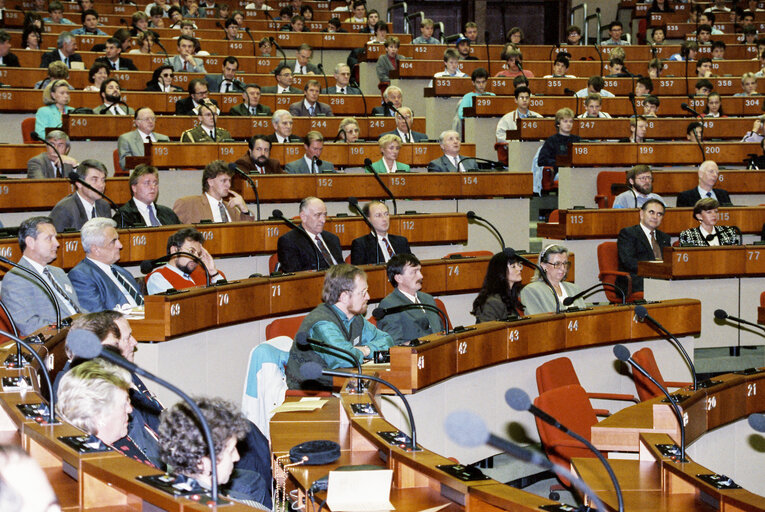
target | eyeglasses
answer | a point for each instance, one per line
(166, 75)
(559, 264)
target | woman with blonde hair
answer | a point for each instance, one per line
(390, 146)
(56, 99)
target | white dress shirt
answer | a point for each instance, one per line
(216, 209)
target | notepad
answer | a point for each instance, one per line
(360, 491)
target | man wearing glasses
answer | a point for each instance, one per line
(198, 93)
(640, 183)
(643, 242)
(131, 143)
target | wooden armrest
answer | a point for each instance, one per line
(613, 396)
(602, 412)
(601, 201)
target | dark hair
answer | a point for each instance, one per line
(646, 82)
(596, 82)
(141, 170)
(706, 106)
(636, 170)
(704, 83)
(521, 89)
(702, 60)
(107, 82)
(156, 11)
(718, 44)
(213, 170)
(615, 23)
(563, 60)
(172, 10)
(122, 35)
(704, 205)
(88, 12)
(178, 238)
(193, 84)
(157, 72)
(704, 28)
(495, 283)
(520, 80)
(231, 60)
(710, 16)
(95, 68)
(25, 35)
(29, 228)
(184, 37)
(280, 68)
(479, 73)
(651, 100)
(101, 323)
(370, 204)
(304, 9)
(258, 136)
(652, 201)
(396, 264)
(230, 21)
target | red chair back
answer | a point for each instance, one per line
(556, 373)
(27, 127)
(554, 216)
(284, 327)
(608, 261)
(442, 307)
(645, 388)
(118, 170)
(604, 182)
(273, 260)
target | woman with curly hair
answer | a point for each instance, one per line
(499, 296)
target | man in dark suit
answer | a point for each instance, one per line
(226, 81)
(113, 59)
(65, 51)
(100, 283)
(251, 105)
(342, 81)
(403, 129)
(84, 204)
(643, 242)
(7, 58)
(284, 77)
(301, 64)
(258, 159)
(282, 122)
(310, 106)
(370, 249)
(198, 93)
(311, 163)
(452, 161)
(405, 274)
(708, 174)
(46, 165)
(296, 252)
(142, 209)
(391, 94)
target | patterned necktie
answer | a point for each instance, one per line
(388, 247)
(152, 217)
(223, 214)
(324, 252)
(128, 287)
(311, 110)
(655, 246)
(61, 291)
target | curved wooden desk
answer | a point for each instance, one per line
(658, 153)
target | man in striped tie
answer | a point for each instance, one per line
(374, 249)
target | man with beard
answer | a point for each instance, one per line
(338, 321)
(640, 181)
(182, 272)
(258, 159)
(112, 96)
(405, 275)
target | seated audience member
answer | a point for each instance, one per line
(703, 87)
(265, 47)
(284, 77)
(46, 165)
(25, 485)
(704, 35)
(463, 48)
(718, 50)
(393, 95)
(404, 119)
(157, 18)
(258, 159)
(592, 107)
(349, 131)
(370, 249)
(297, 253)
(573, 35)
(480, 79)
(514, 36)
(426, 33)
(695, 132)
(112, 56)
(183, 447)
(655, 67)
(390, 146)
(660, 6)
(207, 130)
(310, 106)
(142, 209)
(713, 108)
(112, 100)
(66, 51)
(311, 163)
(373, 18)
(198, 94)
(231, 28)
(56, 99)
(451, 66)
(757, 133)
(510, 120)
(658, 35)
(704, 67)
(56, 11)
(451, 161)
(537, 297)
(97, 74)
(558, 144)
(688, 52)
(643, 87)
(379, 34)
(651, 106)
(38, 243)
(307, 13)
(182, 272)
(471, 32)
(595, 85)
(216, 187)
(99, 282)
(342, 82)
(642, 242)
(560, 67)
(185, 60)
(616, 68)
(359, 11)
(708, 174)
(640, 182)
(750, 35)
(144, 42)
(83, 204)
(282, 123)
(615, 31)
(405, 275)
(226, 81)
(296, 24)
(338, 321)
(748, 85)
(132, 143)
(162, 80)
(388, 61)
(708, 233)
(301, 64)
(139, 23)
(31, 38)
(638, 129)
(514, 64)
(7, 58)
(499, 298)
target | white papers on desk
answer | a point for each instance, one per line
(360, 491)
(308, 403)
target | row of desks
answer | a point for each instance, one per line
(658, 153)
(706, 263)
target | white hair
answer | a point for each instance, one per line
(93, 232)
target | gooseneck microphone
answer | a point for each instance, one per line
(688, 109)
(518, 400)
(86, 345)
(276, 45)
(254, 45)
(368, 167)
(312, 371)
(277, 214)
(471, 215)
(354, 83)
(379, 313)
(321, 68)
(43, 370)
(634, 107)
(467, 429)
(570, 300)
(74, 177)
(721, 314)
(685, 107)
(37, 277)
(622, 353)
(36, 136)
(494, 163)
(488, 55)
(390, 106)
(354, 204)
(302, 339)
(234, 168)
(149, 265)
(642, 313)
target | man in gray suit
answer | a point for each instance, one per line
(284, 77)
(251, 105)
(27, 300)
(311, 163)
(185, 60)
(226, 81)
(310, 106)
(342, 81)
(452, 161)
(46, 165)
(405, 274)
(131, 143)
(76, 209)
(301, 64)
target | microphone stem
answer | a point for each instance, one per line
(355, 206)
(43, 370)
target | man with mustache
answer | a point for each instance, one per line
(258, 159)
(640, 180)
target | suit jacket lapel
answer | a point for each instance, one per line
(80, 209)
(205, 207)
(644, 239)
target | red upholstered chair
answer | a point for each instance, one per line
(609, 185)
(560, 372)
(762, 299)
(273, 260)
(501, 149)
(554, 216)
(440, 305)
(118, 170)
(608, 266)
(645, 388)
(27, 127)
(284, 327)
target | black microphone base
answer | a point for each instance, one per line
(671, 451)
(399, 439)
